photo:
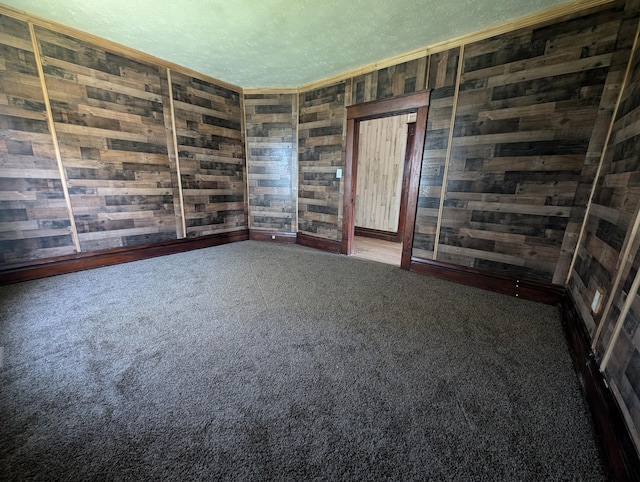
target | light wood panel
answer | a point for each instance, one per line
(321, 133)
(272, 160)
(34, 220)
(381, 153)
(208, 121)
(109, 120)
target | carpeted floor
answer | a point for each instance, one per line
(259, 361)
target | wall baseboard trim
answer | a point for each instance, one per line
(273, 236)
(377, 234)
(519, 287)
(78, 262)
(319, 243)
(616, 444)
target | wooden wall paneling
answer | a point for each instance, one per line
(621, 359)
(381, 155)
(109, 121)
(272, 161)
(617, 77)
(321, 132)
(403, 78)
(172, 148)
(34, 214)
(528, 103)
(599, 260)
(211, 155)
(442, 80)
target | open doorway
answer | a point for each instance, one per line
(411, 103)
(384, 154)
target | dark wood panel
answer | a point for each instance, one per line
(83, 261)
(34, 220)
(271, 121)
(211, 154)
(316, 242)
(321, 133)
(529, 101)
(273, 236)
(501, 283)
(108, 114)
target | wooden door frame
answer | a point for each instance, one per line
(404, 104)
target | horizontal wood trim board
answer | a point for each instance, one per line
(521, 288)
(273, 236)
(377, 234)
(400, 104)
(80, 262)
(319, 243)
(616, 444)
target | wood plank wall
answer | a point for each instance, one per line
(208, 120)
(34, 220)
(271, 121)
(443, 75)
(526, 110)
(321, 140)
(112, 119)
(608, 257)
(109, 121)
(403, 78)
(381, 152)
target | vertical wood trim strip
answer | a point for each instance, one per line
(295, 112)
(633, 292)
(54, 137)
(426, 80)
(602, 156)
(246, 159)
(445, 174)
(175, 147)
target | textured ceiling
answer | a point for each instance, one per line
(278, 43)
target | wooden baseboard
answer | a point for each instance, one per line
(79, 262)
(273, 236)
(520, 288)
(616, 444)
(319, 243)
(377, 234)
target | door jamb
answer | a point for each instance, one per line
(404, 104)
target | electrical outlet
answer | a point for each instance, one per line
(595, 304)
(338, 173)
(273, 236)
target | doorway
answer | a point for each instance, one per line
(384, 154)
(410, 103)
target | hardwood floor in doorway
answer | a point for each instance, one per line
(377, 250)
